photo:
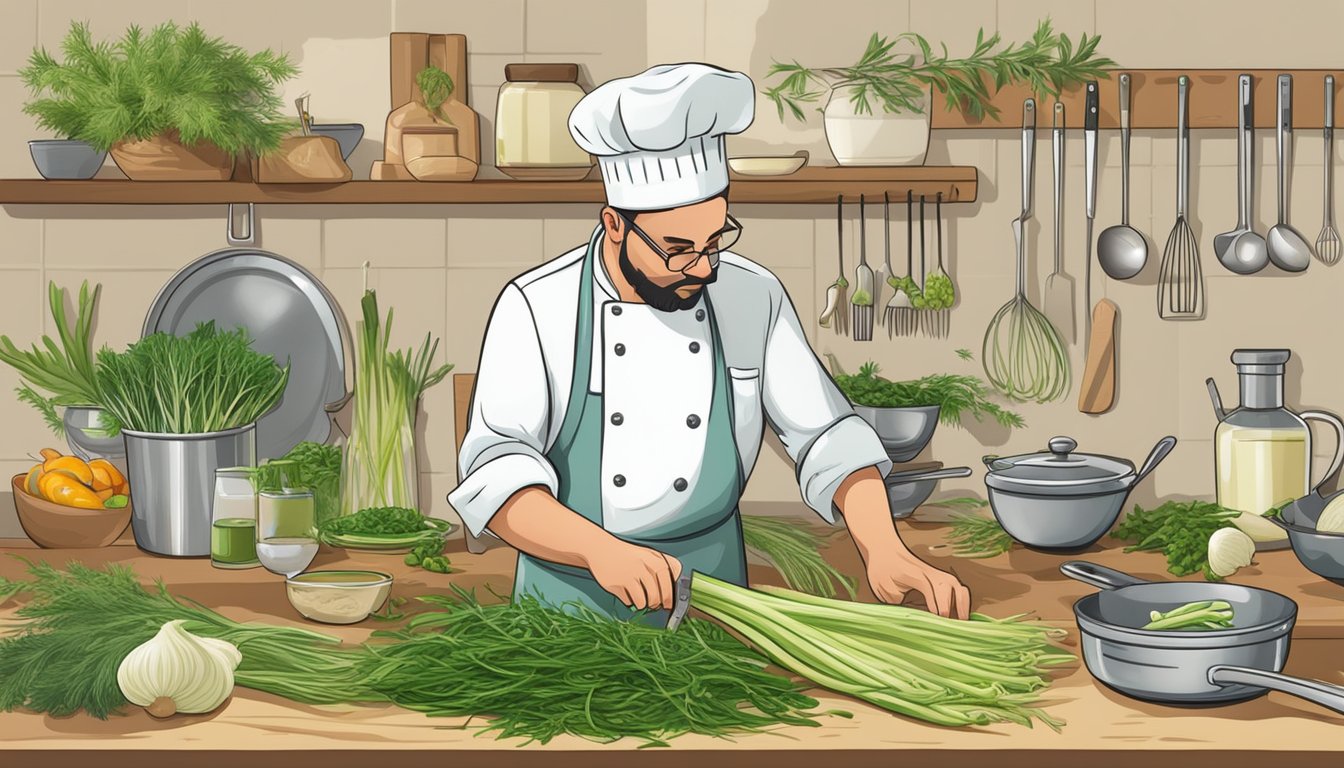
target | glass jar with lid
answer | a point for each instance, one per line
(532, 140)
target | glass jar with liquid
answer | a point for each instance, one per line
(1262, 449)
(233, 520)
(286, 530)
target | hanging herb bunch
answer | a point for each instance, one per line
(897, 73)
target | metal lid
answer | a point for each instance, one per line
(1058, 469)
(1261, 361)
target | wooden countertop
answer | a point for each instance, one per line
(1104, 728)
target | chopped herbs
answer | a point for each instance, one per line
(1179, 529)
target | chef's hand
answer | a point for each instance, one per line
(893, 575)
(638, 576)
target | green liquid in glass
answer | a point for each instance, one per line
(233, 543)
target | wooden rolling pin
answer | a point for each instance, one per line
(1098, 391)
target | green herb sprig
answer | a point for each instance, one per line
(897, 80)
(66, 371)
(1180, 529)
(978, 537)
(171, 80)
(957, 395)
(206, 381)
(793, 548)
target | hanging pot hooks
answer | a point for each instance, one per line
(245, 236)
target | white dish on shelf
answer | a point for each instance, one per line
(768, 165)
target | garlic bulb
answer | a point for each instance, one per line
(177, 671)
(1229, 549)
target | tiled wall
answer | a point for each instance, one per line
(441, 266)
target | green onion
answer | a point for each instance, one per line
(206, 381)
(792, 548)
(379, 467)
(536, 673)
(1202, 616)
(938, 670)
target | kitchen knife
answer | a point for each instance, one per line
(683, 602)
(1090, 108)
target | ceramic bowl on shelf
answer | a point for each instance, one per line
(56, 526)
(348, 135)
(65, 158)
(768, 165)
(338, 596)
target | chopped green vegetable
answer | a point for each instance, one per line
(793, 549)
(536, 673)
(118, 501)
(956, 395)
(378, 520)
(206, 381)
(977, 536)
(1201, 616)
(862, 298)
(908, 661)
(1180, 529)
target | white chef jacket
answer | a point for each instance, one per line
(523, 389)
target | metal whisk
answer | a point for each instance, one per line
(1327, 243)
(1180, 284)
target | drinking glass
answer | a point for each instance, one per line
(286, 533)
(233, 520)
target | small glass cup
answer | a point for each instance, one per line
(286, 530)
(233, 520)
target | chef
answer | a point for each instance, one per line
(624, 387)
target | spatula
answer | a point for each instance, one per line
(1059, 286)
(1098, 391)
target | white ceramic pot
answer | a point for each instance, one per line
(878, 137)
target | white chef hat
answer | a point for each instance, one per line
(659, 135)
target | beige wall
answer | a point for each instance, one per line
(441, 266)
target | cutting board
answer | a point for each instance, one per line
(1097, 394)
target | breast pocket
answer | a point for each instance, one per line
(748, 417)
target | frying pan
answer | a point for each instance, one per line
(1188, 668)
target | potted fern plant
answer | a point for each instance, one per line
(170, 104)
(899, 75)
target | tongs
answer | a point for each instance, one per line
(683, 602)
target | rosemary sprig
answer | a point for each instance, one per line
(898, 79)
(977, 537)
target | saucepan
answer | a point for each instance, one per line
(1188, 668)
(1060, 499)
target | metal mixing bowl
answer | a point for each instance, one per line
(904, 432)
(1322, 553)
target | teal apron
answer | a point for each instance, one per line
(705, 537)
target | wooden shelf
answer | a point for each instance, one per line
(807, 186)
(1152, 92)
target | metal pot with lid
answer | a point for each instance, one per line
(1060, 499)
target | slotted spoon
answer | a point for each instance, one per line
(1180, 284)
(1327, 243)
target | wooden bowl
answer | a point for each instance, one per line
(54, 526)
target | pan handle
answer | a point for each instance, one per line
(932, 474)
(1325, 694)
(1159, 453)
(1098, 575)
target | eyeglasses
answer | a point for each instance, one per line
(684, 260)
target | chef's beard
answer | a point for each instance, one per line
(663, 298)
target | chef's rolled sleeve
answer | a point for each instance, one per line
(504, 448)
(815, 422)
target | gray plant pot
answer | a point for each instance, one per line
(65, 158)
(83, 432)
(172, 480)
(348, 135)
